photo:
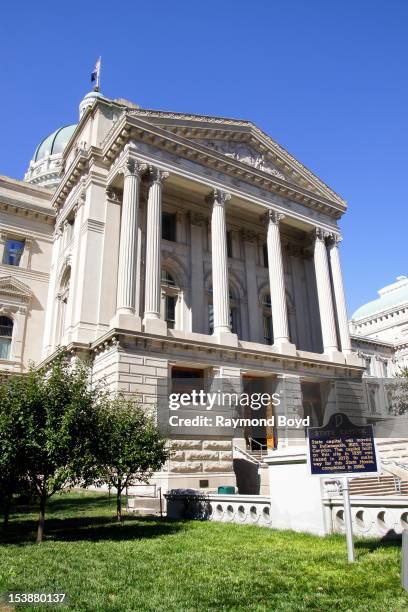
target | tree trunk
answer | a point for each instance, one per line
(119, 501)
(41, 518)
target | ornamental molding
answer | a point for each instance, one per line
(243, 153)
(14, 290)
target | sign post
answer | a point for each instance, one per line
(341, 449)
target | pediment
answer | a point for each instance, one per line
(13, 288)
(243, 142)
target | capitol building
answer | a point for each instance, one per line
(170, 247)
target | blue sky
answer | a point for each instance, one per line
(325, 78)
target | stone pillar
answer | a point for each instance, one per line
(51, 308)
(220, 284)
(198, 303)
(339, 296)
(324, 293)
(254, 311)
(152, 321)
(277, 285)
(127, 315)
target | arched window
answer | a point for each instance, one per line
(267, 318)
(170, 293)
(62, 298)
(234, 313)
(6, 335)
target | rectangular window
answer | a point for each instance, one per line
(267, 327)
(171, 311)
(12, 252)
(229, 244)
(169, 226)
(265, 255)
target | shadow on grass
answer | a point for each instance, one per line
(390, 540)
(91, 529)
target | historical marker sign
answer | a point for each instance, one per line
(341, 448)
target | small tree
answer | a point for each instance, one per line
(13, 442)
(49, 428)
(400, 393)
(130, 447)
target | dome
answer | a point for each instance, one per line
(88, 101)
(391, 296)
(45, 167)
(54, 143)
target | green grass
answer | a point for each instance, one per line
(153, 564)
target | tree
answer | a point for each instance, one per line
(49, 427)
(13, 442)
(400, 393)
(130, 447)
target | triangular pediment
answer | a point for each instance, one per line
(243, 142)
(11, 287)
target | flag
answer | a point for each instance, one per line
(96, 71)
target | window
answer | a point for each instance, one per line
(13, 251)
(6, 333)
(234, 320)
(167, 279)
(170, 310)
(267, 318)
(210, 318)
(169, 226)
(229, 244)
(265, 255)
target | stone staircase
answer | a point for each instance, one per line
(383, 485)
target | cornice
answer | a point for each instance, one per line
(12, 207)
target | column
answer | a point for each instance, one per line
(339, 295)
(254, 311)
(219, 258)
(51, 307)
(152, 321)
(199, 312)
(277, 284)
(126, 315)
(324, 293)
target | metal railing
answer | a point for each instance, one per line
(257, 447)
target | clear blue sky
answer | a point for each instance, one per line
(326, 78)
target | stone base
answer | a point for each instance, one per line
(155, 326)
(354, 360)
(126, 321)
(336, 356)
(226, 338)
(285, 348)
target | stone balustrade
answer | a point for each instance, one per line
(371, 516)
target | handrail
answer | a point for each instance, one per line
(246, 454)
(261, 446)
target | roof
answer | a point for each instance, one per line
(54, 143)
(391, 296)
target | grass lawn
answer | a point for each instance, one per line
(153, 564)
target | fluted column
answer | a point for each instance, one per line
(153, 251)
(339, 295)
(126, 289)
(324, 292)
(277, 280)
(219, 256)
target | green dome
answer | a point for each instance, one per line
(390, 297)
(54, 143)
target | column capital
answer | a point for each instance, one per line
(198, 219)
(112, 194)
(249, 235)
(320, 234)
(334, 239)
(218, 197)
(272, 216)
(133, 167)
(156, 175)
